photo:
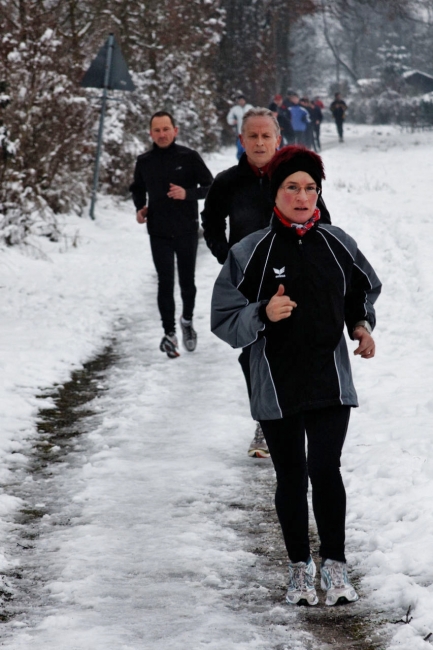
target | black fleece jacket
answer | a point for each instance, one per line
(154, 171)
(242, 196)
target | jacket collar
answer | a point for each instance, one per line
(164, 150)
(246, 169)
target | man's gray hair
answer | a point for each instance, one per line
(261, 112)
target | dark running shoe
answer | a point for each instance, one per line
(189, 335)
(169, 345)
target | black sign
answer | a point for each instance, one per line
(118, 78)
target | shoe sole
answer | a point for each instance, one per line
(340, 600)
(303, 602)
(172, 353)
(258, 453)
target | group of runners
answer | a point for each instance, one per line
(299, 118)
(289, 284)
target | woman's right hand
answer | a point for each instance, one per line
(280, 306)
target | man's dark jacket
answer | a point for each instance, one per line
(338, 109)
(242, 196)
(154, 171)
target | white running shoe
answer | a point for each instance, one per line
(336, 583)
(301, 590)
(258, 447)
(169, 345)
(189, 335)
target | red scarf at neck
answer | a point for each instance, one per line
(301, 228)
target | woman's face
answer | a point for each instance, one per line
(297, 197)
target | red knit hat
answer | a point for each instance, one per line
(292, 159)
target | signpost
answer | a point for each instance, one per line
(109, 72)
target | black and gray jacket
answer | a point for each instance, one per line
(299, 363)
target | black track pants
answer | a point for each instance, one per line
(339, 125)
(326, 431)
(164, 251)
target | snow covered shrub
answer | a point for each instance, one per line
(46, 132)
(389, 107)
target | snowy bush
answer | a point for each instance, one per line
(45, 133)
(391, 107)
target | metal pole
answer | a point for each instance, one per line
(101, 123)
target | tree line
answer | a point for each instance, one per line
(187, 56)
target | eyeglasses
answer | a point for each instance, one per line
(310, 190)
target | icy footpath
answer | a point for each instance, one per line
(150, 558)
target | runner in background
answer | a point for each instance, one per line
(165, 193)
(241, 195)
(309, 133)
(338, 109)
(317, 118)
(235, 117)
(300, 119)
(282, 113)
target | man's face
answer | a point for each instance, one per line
(259, 139)
(162, 131)
(294, 99)
(241, 101)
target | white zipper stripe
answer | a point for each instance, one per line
(337, 238)
(338, 377)
(264, 268)
(272, 379)
(250, 258)
(335, 258)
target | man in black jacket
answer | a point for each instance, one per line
(241, 193)
(165, 194)
(338, 109)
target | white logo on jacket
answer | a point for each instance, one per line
(280, 273)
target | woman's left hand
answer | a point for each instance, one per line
(367, 346)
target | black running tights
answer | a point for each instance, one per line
(326, 431)
(164, 251)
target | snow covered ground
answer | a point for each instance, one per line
(151, 557)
